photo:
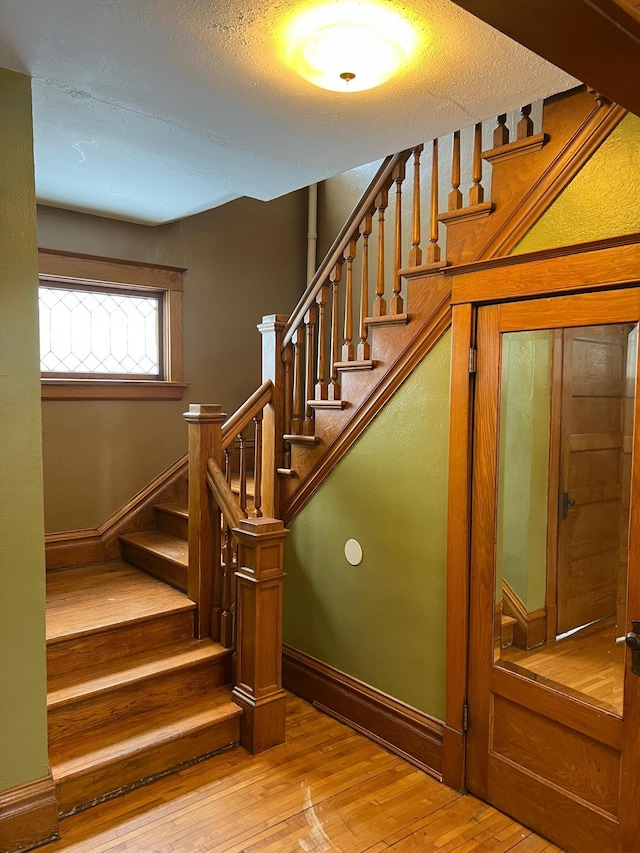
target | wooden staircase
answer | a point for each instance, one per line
(131, 693)
(140, 673)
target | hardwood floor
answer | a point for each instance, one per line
(587, 664)
(326, 789)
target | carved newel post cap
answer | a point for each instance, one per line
(205, 412)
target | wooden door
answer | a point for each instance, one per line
(590, 507)
(553, 731)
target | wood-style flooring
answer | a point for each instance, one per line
(587, 664)
(326, 789)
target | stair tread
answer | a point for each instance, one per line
(90, 599)
(507, 620)
(100, 678)
(118, 739)
(162, 544)
(179, 508)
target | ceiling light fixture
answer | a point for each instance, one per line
(349, 46)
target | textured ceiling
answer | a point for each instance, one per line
(152, 110)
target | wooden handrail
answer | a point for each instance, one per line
(241, 419)
(381, 180)
(224, 497)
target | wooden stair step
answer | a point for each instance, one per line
(161, 554)
(507, 624)
(173, 518)
(86, 699)
(122, 754)
(110, 610)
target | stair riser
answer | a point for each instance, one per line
(99, 782)
(158, 566)
(175, 525)
(117, 642)
(160, 690)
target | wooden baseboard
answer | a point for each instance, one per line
(28, 815)
(530, 629)
(409, 733)
(100, 544)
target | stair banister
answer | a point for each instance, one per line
(381, 180)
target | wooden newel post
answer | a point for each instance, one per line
(258, 688)
(273, 427)
(205, 442)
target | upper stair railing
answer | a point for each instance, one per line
(360, 281)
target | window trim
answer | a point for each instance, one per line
(89, 270)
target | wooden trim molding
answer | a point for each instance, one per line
(98, 544)
(71, 266)
(594, 265)
(579, 148)
(403, 730)
(111, 389)
(530, 629)
(515, 149)
(28, 815)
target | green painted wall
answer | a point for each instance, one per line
(384, 620)
(601, 201)
(23, 722)
(525, 411)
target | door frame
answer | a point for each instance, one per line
(587, 267)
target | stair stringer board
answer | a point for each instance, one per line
(396, 350)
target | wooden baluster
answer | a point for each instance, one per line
(320, 392)
(203, 581)
(287, 361)
(334, 278)
(380, 303)
(310, 324)
(272, 330)
(476, 193)
(415, 253)
(501, 133)
(226, 616)
(227, 464)
(298, 383)
(257, 467)
(243, 473)
(433, 252)
(455, 196)
(348, 350)
(364, 350)
(397, 304)
(525, 125)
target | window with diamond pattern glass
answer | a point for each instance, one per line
(97, 332)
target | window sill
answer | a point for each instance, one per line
(111, 389)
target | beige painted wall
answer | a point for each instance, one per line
(244, 260)
(384, 620)
(23, 706)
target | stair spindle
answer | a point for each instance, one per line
(243, 473)
(334, 278)
(364, 350)
(287, 361)
(525, 126)
(227, 464)
(501, 133)
(455, 196)
(397, 304)
(226, 616)
(257, 467)
(433, 252)
(320, 392)
(476, 193)
(348, 350)
(310, 325)
(415, 253)
(380, 303)
(298, 383)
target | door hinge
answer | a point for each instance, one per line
(473, 360)
(465, 718)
